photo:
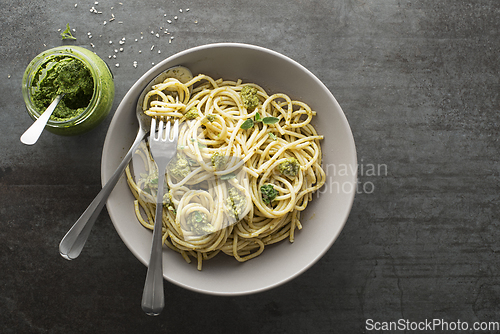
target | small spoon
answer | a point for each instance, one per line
(72, 243)
(31, 135)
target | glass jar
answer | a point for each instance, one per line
(100, 103)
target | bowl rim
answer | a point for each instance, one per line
(131, 97)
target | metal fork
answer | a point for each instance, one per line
(163, 149)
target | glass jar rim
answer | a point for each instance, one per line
(44, 57)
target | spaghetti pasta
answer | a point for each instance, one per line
(244, 171)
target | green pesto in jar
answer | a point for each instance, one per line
(63, 75)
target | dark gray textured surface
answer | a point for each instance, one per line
(419, 84)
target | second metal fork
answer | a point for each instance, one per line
(163, 149)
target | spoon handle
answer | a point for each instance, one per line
(31, 135)
(72, 243)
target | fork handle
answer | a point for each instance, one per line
(153, 298)
(72, 243)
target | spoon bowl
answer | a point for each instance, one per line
(31, 135)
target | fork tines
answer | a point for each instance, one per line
(159, 134)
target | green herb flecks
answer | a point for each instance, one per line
(179, 167)
(290, 167)
(197, 222)
(249, 123)
(218, 161)
(66, 34)
(268, 193)
(236, 202)
(192, 113)
(249, 96)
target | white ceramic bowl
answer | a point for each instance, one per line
(323, 219)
